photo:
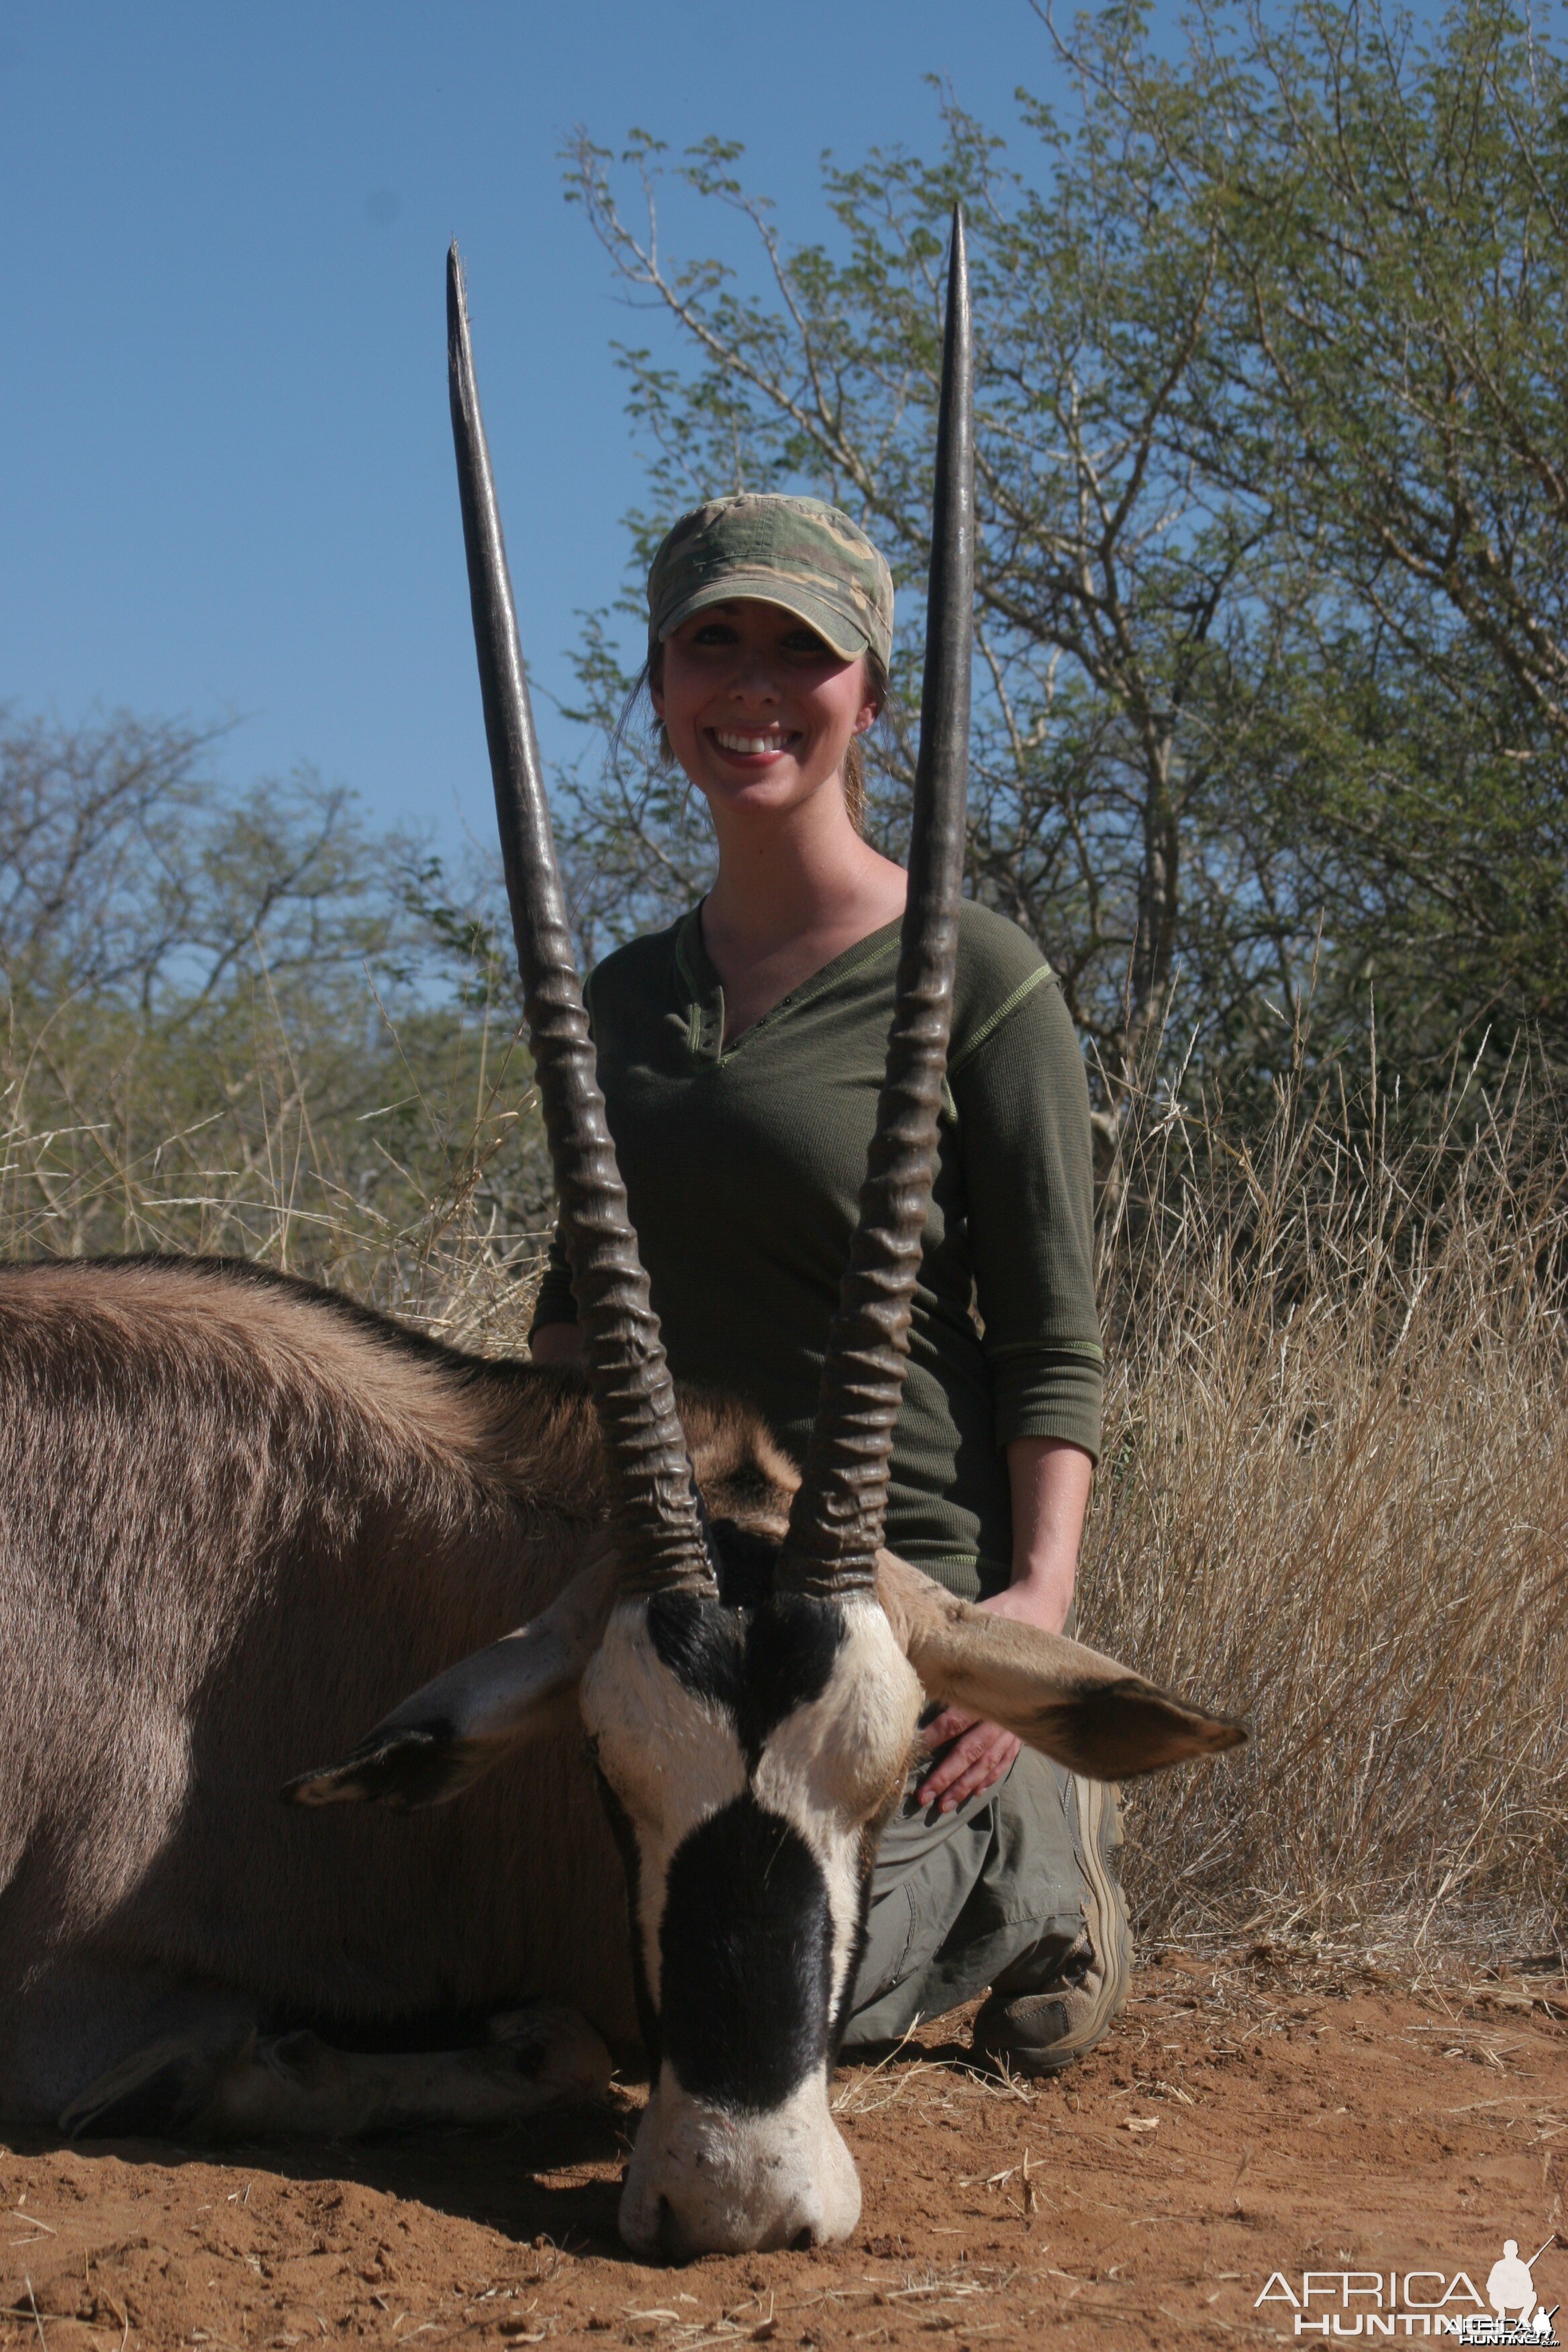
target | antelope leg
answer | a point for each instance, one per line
(542, 2057)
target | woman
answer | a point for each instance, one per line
(740, 1054)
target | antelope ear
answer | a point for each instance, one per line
(450, 1733)
(1081, 1709)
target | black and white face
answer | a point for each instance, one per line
(749, 1756)
(750, 1747)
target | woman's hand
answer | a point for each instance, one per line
(980, 1753)
(1050, 1482)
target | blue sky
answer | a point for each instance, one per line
(225, 473)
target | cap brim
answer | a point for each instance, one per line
(835, 628)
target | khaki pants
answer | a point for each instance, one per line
(957, 1898)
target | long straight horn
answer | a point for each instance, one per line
(653, 1498)
(835, 1524)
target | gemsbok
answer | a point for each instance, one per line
(240, 1517)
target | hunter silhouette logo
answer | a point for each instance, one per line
(1373, 2303)
(1517, 2318)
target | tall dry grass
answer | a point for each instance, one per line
(431, 1201)
(1334, 1498)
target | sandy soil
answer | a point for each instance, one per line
(1247, 2116)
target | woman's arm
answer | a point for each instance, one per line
(1050, 1481)
(1022, 1101)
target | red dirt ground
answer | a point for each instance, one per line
(1247, 2117)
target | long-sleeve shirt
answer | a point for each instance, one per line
(743, 1165)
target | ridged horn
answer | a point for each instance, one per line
(836, 1522)
(653, 1497)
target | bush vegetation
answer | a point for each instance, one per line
(1334, 1498)
(239, 1024)
(1271, 689)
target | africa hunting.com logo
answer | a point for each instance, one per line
(1417, 2303)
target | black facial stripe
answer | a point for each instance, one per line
(625, 1839)
(791, 1644)
(703, 1646)
(759, 1665)
(746, 1960)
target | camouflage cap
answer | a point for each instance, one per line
(801, 553)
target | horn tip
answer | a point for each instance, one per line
(457, 295)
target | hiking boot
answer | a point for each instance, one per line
(1048, 2006)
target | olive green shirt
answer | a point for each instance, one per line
(743, 1165)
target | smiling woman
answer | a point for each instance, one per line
(762, 714)
(741, 1054)
(716, 648)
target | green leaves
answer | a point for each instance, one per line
(1390, 217)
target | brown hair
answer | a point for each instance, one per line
(878, 690)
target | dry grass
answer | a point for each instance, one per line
(1334, 1498)
(423, 1196)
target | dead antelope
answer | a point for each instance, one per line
(240, 1517)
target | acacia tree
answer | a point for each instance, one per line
(125, 872)
(1391, 218)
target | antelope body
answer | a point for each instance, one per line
(238, 1517)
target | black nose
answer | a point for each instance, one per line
(804, 2238)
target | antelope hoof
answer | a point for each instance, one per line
(557, 2050)
(159, 2089)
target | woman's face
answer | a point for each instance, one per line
(758, 709)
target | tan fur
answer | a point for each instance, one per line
(239, 1520)
(1070, 1702)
